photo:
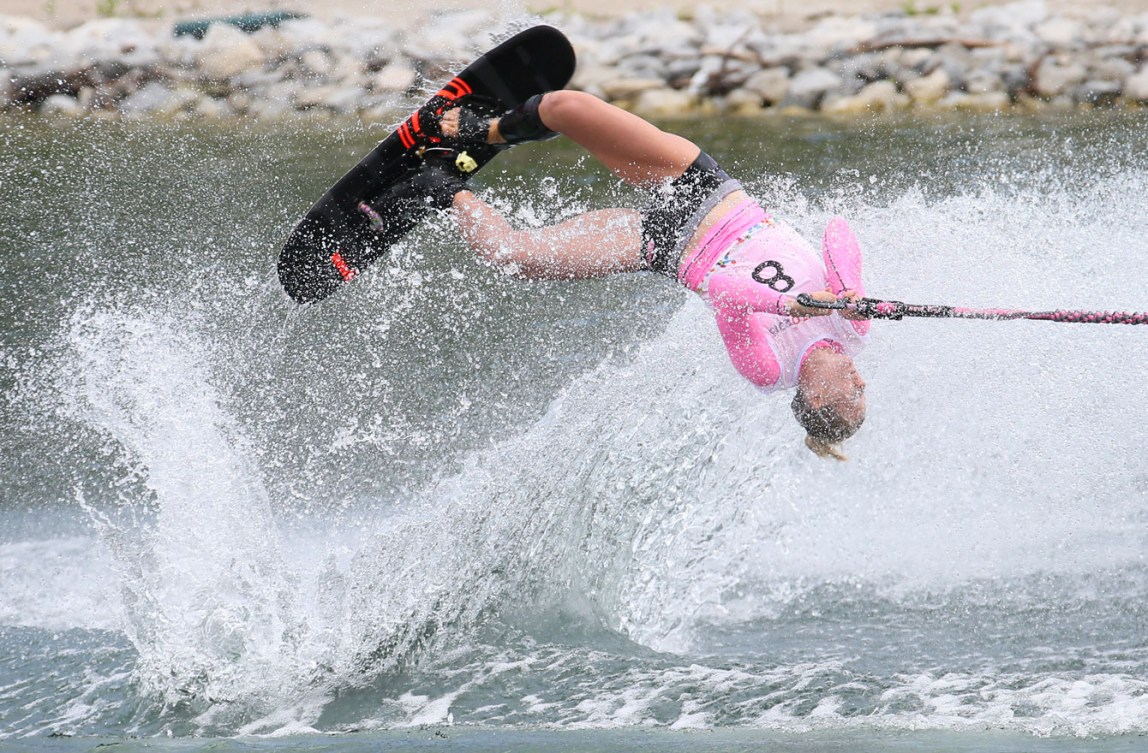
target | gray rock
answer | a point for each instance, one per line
(226, 52)
(274, 42)
(1056, 74)
(858, 70)
(179, 52)
(1016, 78)
(987, 102)
(121, 40)
(778, 50)
(451, 36)
(1009, 21)
(835, 33)
(211, 108)
(292, 37)
(629, 88)
(24, 43)
(348, 70)
(341, 100)
(991, 58)
(931, 88)
(184, 98)
(1122, 31)
(312, 98)
(660, 32)
(916, 58)
(769, 85)
(61, 104)
(982, 82)
(96, 99)
(344, 100)
(1098, 93)
(879, 96)
(990, 102)
(87, 97)
(809, 87)
(1098, 23)
(868, 66)
(370, 41)
(663, 102)
(256, 80)
(590, 77)
(1023, 54)
(680, 70)
(607, 52)
(396, 77)
(1060, 33)
(743, 102)
(642, 66)
(1136, 86)
(850, 81)
(719, 75)
(956, 61)
(650, 60)
(240, 102)
(34, 89)
(316, 63)
(272, 108)
(1110, 64)
(150, 98)
(723, 29)
(282, 93)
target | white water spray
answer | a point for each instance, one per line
(662, 488)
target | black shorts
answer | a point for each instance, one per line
(677, 208)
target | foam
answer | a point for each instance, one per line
(58, 584)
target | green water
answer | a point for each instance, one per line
(550, 512)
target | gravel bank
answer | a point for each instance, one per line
(658, 63)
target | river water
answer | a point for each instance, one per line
(452, 510)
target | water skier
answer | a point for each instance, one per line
(699, 228)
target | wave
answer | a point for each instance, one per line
(655, 497)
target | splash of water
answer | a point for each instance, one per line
(659, 486)
(202, 575)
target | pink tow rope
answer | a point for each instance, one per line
(873, 308)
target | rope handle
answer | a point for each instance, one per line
(875, 308)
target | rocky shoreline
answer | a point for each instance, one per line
(1017, 56)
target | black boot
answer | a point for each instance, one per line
(434, 183)
(524, 124)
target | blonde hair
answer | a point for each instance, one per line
(825, 428)
(824, 449)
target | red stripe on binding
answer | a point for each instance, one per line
(345, 270)
(455, 89)
(417, 129)
(405, 136)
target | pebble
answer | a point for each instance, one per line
(929, 89)
(1136, 87)
(61, 104)
(809, 86)
(655, 62)
(226, 52)
(1056, 74)
(769, 85)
